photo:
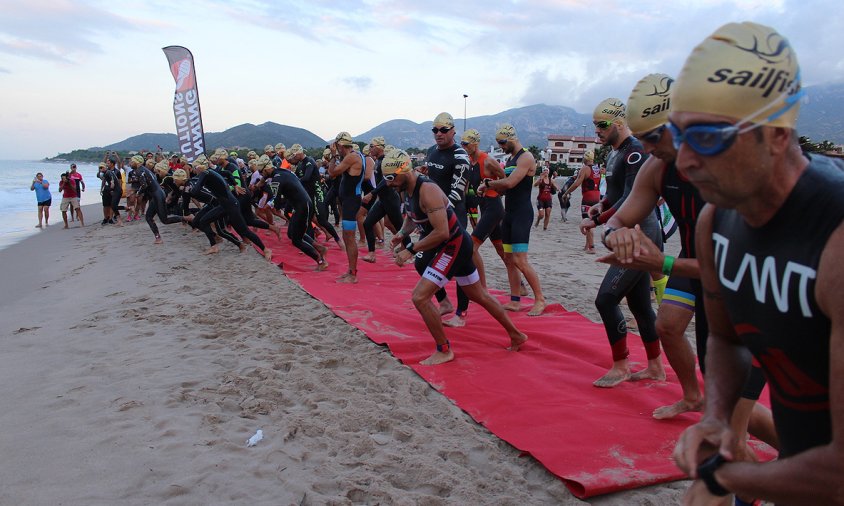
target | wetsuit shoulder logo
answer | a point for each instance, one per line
(634, 158)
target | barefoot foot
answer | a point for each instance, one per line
(612, 378)
(538, 307)
(455, 321)
(678, 408)
(439, 357)
(517, 340)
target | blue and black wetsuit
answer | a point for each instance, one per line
(350, 193)
(518, 211)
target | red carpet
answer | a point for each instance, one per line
(540, 399)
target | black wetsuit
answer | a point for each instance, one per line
(449, 169)
(227, 205)
(386, 202)
(151, 191)
(287, 188)
(518, 211)
(768, 277)
(350, 192)
(623, 165)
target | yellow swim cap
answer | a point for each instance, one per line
(356, 147)
(647, 107)
(201, 161)
(444, 119)
(326, 153)
(150, 163)
(251, 155)
(365, 150)
(589, 157)
(471, 136)
(743, 71)
(378, 141)
(506, 132)
(180, 175)
(268, 148)
(396, 161)
(162, 167)
(138, 159)
(344, 139)
(280, 147)
(610, 109)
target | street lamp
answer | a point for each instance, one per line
(465, 96)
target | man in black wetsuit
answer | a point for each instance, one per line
(770, 264)
(623, 165)
(150, 190)
(287, 190)
(388, 202)
(443, 251)
(226, 207)
(352, 167)
(447, 164)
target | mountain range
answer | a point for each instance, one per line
(821, 118)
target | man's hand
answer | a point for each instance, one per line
(240, 190)
(700, 441)
(366, 198)
(586, 225)
(403, 256)
(698, 495)
(632, 249)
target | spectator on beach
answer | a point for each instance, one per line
(589, 181)
(545, 199)
(41, 187)
(76, 178)
(70, 198)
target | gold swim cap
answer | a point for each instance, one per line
(162, 167)
(138, 159)
(356, 147)
(326, 153)
(378, 141)
(180, 175)
(280, 147)
(589, 157)
(344, 139)
(444, 119)
(268, 148)
(471, 136)
(150, 163)
(200, 161)
(263, 162)
(743, 71)
(365, 150)
(251, 155)
(506, 132)
(396, 161)
(610, 109)
(647, 107)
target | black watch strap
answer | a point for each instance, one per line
(706, 472)
(607, 231)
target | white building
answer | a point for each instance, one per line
(569, 149)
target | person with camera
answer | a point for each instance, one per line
(41, 187)
(70, 198)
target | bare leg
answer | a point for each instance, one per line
(671, 323)
(520, 261)
(64, 218)
(478, 294)
(422, 294)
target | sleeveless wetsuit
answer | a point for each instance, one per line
(350, 192)
(768, 277)
(492, 210)
(518, 213)
(452, 258)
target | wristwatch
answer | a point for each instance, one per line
(706, 472)
(607, 232)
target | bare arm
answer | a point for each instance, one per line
(581, 176)
(728, 363)
(348, 163)
(493, 169)
(525, 167)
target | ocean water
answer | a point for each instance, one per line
(18, 207)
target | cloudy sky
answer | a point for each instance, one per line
(76, 74)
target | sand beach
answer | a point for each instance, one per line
(134, 374)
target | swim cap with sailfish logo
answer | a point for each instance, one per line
(647, 107)
(743, 70)
(610, 109)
